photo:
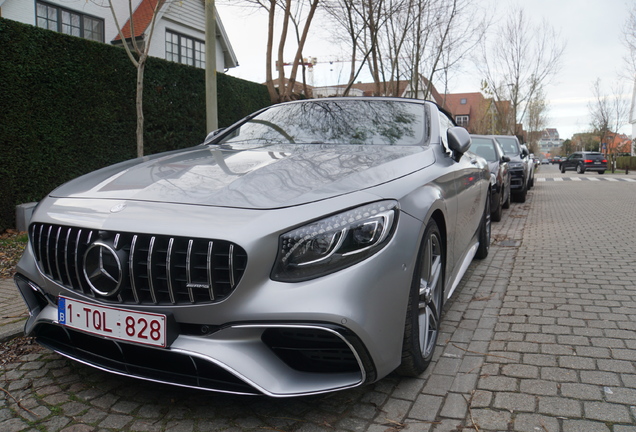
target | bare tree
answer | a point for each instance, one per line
(291, 11)
(536, 120)
(600, 113)
(361, 22)
(407, 39)
(523, 58)
(629, 40)
(137, 51)
(607, 114)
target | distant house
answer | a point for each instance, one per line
(470, 110)
(550, 143)
(550, 134)
(179, 33)
(480, 115)
(618, 144)
(400, 88)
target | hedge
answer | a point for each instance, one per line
(626, 161)
(68, 108)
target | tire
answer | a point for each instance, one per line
(520, 196)
(562, 169)
(497, 213)
(580, 169)
(601, 172)
(506, 203)
(484, 232)
(424, 309)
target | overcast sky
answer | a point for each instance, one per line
(591, 28)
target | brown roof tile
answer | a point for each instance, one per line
(142, 16)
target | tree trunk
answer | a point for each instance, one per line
(268, 56)
(299, 53)
(280, 64)
(139, 103)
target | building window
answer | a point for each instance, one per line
(462, 120)
(463, 101)
(53, 17)
(185, 50)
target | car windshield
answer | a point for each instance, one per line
(485, 148)
(342, 122)
(509, 146)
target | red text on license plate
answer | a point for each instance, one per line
(133, 326)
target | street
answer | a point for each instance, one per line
(539, 336)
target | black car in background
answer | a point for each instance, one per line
(488, 148)
(584, 161)
(521, 168)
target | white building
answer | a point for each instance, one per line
(179, 33)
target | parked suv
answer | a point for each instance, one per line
(584, 161)
(521, 168)
(488, 148)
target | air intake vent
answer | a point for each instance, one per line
(154, 270)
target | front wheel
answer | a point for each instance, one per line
(484, 232)
(562, 169)
(506, 203)
(520, 196)
(424, 310)
(498, 211)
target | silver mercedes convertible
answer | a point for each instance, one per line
(307, 248)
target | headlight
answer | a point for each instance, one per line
(333, 243)
(493, 179)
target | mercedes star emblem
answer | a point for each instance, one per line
(103, 269)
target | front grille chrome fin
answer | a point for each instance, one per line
(161, 270)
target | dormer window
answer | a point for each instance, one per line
(462, 120)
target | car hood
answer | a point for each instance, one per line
(254, 177)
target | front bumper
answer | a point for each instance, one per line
(277, 339)
(517, 179)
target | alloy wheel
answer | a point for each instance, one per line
(430, 295)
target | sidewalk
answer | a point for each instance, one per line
(13, 311)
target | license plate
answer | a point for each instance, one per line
(597, 163)
(132, 326)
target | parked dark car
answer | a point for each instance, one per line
(488, 148)
(308, 248)
(521, 168)
(584, 161)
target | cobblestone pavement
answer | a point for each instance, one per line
(539, 337)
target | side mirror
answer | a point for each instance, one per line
(458, 140)
(212, 135)
(524, 152)
(505, 159)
